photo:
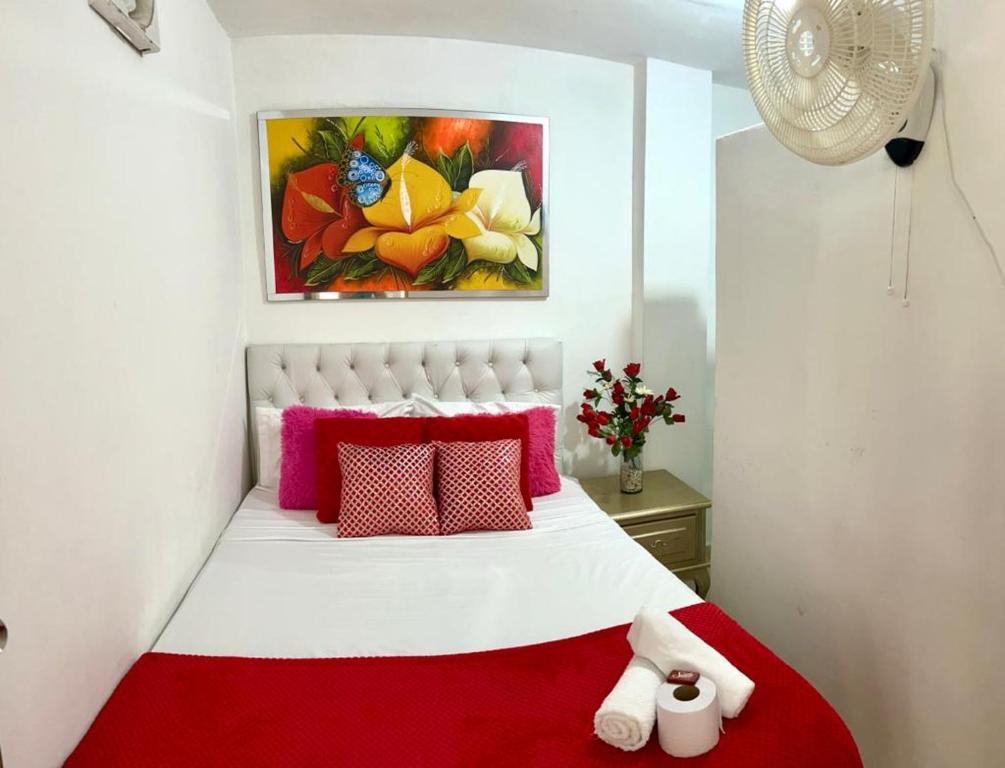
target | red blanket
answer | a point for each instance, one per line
(519, 707)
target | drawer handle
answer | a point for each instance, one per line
(660, 542)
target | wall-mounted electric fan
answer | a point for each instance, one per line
(836, 80)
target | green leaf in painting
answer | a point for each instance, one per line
(538, 241)
(517, 272)
(385, 153)
(430, 273)
(463, 166)
(334, 145)
(323, 270)
(446, 168)
(456, 260)
(362, 265)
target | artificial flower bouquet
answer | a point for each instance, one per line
(621, 410)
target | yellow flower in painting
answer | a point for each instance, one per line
(412, 225)
(504, 220)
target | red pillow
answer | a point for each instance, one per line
(481, 427)
(479, 487)
(373, 432)
(387, 490)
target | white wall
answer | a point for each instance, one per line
(674, 247)
(732, 110)
(859, 445)
(590, 105)
(122, 376)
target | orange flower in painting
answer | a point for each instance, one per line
(318, 213)
(445, 135)
(413, 224)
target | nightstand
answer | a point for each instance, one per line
(667, 518)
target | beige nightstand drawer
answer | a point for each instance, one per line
(672, 542)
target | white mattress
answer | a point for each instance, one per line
(279, 584)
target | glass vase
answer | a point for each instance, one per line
(631, 474)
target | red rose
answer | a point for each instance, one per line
(600, 365)
(594, 432)
(626, 441)
(678, 418)
(648, 407)
(672, 394)
(589, 394)
(632, 370)
(583, 418)
(618, 398)
(611, 439)
(603, 419)
(634, 413)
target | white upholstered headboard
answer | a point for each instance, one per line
(330, 375)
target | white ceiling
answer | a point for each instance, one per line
(699, 33)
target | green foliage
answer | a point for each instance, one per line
(445, 269)
(323, 271)
(457, 170)
(362, 265)
(517, 273)
(334, 143)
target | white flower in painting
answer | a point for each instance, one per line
(643, 390)
(504, 220)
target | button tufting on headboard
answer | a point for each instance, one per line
(332, 375)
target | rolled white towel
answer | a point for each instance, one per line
(625, 719)
(657, 636)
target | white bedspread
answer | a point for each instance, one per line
(279, 584)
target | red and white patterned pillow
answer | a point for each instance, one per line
(478, 485)
(387, 490)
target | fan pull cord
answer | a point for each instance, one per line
(893, 231)
(906, 301)
(959, 188)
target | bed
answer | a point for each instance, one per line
(294, 647)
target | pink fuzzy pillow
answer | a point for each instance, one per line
(298, 487)
(544, 478)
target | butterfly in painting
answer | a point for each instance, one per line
(363, 177)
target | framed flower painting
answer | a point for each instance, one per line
(411, 204)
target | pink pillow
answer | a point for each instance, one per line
(479, 486)
(298, 471)
(387, 490)
(544, 477)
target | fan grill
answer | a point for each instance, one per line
(874, 68)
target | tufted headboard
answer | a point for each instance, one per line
(330, 375)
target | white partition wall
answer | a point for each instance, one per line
(859, 444)
(674, 293)
(121, 340)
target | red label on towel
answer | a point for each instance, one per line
(680, 677)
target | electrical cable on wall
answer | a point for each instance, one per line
(956, 183)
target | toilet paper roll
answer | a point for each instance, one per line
(689, 718)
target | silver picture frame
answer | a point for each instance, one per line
(265, 203)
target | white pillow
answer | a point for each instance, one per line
(269, 428)
(426, 407)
